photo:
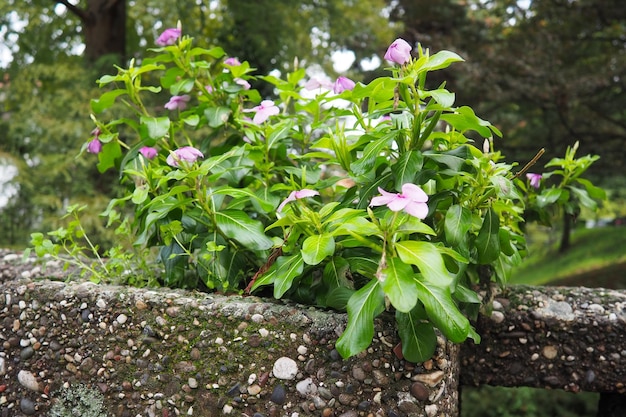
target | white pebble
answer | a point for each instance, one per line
(227, 409)
(285, 368)
(302, 350)
(122, 318)
(306, 387)
(28, 380)
(258, 318)
(219, 341)
(251, 379)
(101, 303)
(264, 332)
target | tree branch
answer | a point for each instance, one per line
(80, 13)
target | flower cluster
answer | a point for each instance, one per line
(361, 206)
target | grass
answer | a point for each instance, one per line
(596, 258)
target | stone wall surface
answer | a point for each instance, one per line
(570, 338)
(163, 352)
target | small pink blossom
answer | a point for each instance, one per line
(187, 154)
(232, 61)
(94, 146)
(168, 37)
(177, 102)
(535, 179)
(245, 84)
(315, 83)
(209, 89)
(399, 52)
(296, 195)
(412, 200)
(342, 84)
(148, 152)
(263, 111)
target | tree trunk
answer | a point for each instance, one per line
(104, 28)
(567, 231)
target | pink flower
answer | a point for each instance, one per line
(315, 83)
(412, 200)
(187, 154)
(177, 102)
(148, 152)
(399, 52)
(232, 61)
(342, 84)
(296, 195)
(209, 89)
(243, 83)
(168, 37)
(94, 146)
(266, 109)
(535, 179)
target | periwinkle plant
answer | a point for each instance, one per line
(368, 198)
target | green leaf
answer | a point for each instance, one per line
(110, 153)
(419, 340)
(427, 257)
(465, 119)
(442, 311)
(106, 100)
(372, 150)
(317, 247)
(363, 306)
(140, 194)
(457, 223)
(182, 86)
(236, 225)
(398, 283)
(155, 127)
(584, 198)
(441, 96)
(414, 225)
(217, 116)
(594, 192)
(282, 274)
(407, 167)
(335, 272)
(440, 60)
(488, 240)
(549, 196)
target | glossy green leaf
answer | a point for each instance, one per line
(407, 167)
(106, 100)
(155, 127)
(427, 258)
(140, 194)
(443, 312)
(488, 240)
(317, 247)
(419, 340)
(217, 116)
(440, 60)
(415, 225)
(398, 283)
(457, 222)
(110, 153)
(236, 225)
(182, 86)
(372, 150)
(282, 274)
(363, 306)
